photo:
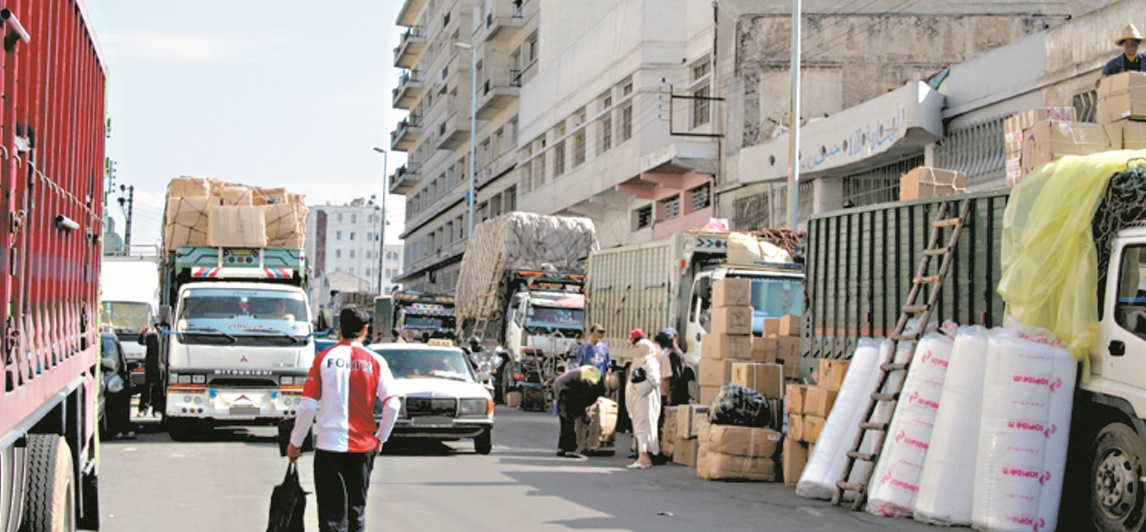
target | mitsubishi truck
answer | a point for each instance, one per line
(858, 279)
(423, 313)
(52, 171)
(672, 287)
(238, 337)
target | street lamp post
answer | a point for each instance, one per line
(472, 196)
(382, 231)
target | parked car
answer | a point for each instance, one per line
(115, 388)
(442, 397)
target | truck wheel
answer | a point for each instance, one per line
(1116, 497)
(49, 504)
(483, 443)
(182, 430)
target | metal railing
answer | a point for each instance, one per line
(977, 150)
(515, 78)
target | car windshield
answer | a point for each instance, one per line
(125, 316)
(244, 312)
(420, 363)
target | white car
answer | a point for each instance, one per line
(441, 395)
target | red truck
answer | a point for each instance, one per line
(52, 83)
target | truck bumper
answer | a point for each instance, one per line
(230, 404)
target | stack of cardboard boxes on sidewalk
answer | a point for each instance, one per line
(681, 428)
(808, 407)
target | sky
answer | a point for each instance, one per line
(260, 92)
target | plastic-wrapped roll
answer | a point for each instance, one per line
(895, 481)
(948, 480)
(826, 465)
(1023, 412)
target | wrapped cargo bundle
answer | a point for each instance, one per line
(236, 226)
(519, 241)
(1025, 425)
(286, 225)
(828, 459)
(247, 216)
(738, 453)
(737, 405)
(895, 481)
(185, 221)
(948, 480)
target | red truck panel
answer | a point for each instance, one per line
(51, 174)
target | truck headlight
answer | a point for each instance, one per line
(199, 379)
(183, 379)
(286, 380)
(474, 407)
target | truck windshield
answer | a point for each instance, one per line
(271, 315)
(555, 317)
(776, 297)
(125, 316)
(429, 322)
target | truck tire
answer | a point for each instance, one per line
(183, 430)
(483, 443)
(49, 503)
(1116, 496)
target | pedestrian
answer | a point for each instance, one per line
(575, 391)
(574, 348)
(1130, 60)
(595, 352)
(345, 380)
(643, 398)
(679, 377)
(151, 397)
(408, 335)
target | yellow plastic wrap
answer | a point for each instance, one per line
(1049, 260)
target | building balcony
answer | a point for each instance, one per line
(502, 23)
(405, 178)
(410, 12)
(498, 91)
(408, 132)
(410, 87)
(453, 131)
(411, 46)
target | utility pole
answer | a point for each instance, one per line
(130, 189)
(794, 125)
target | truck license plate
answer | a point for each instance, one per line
(432, 421)
(244, 410)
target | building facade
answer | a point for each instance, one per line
(344, 240)
(448, 49)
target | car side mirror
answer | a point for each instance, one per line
(165, 315)
(109, 365)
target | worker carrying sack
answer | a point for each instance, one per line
(740, 406)
(288, 504)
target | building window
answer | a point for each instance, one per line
(700, 197)
(626, 123)
(701, 69)
(669, 208)
(510, 199)
(338, 253)
(606, 135)
(352, 235)
(643, 218)
(539, 171)
(340, 217)
(338, 234)
(353, 218)
(531, 48)
(626, 89)
(527, 178)
(701, 107)
(579, 148)
(369, 254)
(559, 159)
(351, 270)
(368, 272)
(352, 253)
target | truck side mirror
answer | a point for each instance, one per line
(109, 365)
(165, 315)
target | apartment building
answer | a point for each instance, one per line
(617, 120)
(342, 243)
(456, 55)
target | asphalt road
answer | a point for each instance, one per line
(223, 483)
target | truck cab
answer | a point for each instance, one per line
(543, 322)
(777, 290)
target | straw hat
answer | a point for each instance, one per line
(1129, 32)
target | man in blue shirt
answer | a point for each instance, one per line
(595, 352)
(1131, 60)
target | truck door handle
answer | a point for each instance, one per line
(1117, 348)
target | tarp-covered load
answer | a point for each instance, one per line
(519, 241)
(254, 217)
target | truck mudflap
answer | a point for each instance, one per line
(232, 404)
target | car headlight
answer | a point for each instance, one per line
(474, 407)
(199, 379)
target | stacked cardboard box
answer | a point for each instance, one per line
(1048, 140)
(1121, 97)
(780, 344)
(687, 422)
(730, 335)
(808, 407)
(925, 181)
(729, 452)
(208, 212)
(1013, 128)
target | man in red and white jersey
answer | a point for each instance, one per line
(346, 379)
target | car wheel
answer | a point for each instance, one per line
(1116, 498)
(483, 443)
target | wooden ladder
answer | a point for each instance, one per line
(488, 302)
(902, 334)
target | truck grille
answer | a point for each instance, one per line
(425, 406)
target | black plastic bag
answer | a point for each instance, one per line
(740, 406)
(288, 504)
